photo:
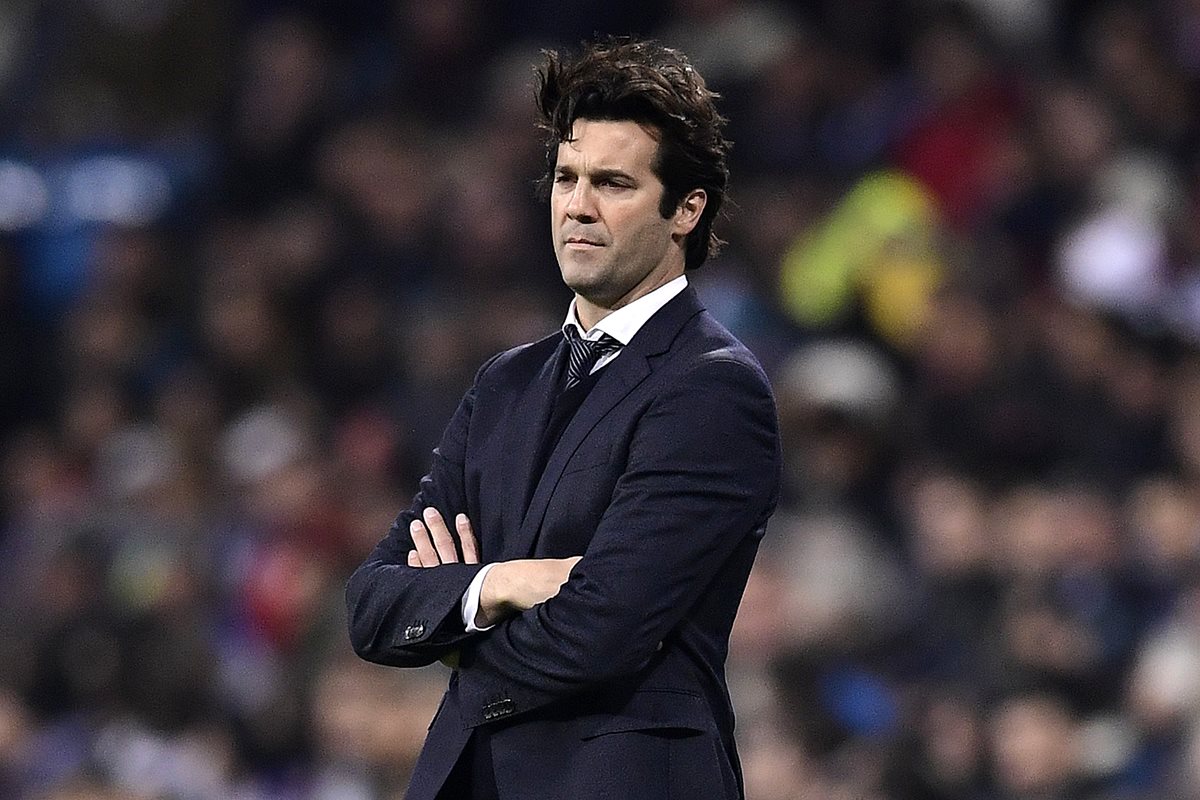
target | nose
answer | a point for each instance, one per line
(581, 206)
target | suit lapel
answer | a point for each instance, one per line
(615, 383)
(528, 418)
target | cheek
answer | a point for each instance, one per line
(650, 237)
(634, 224)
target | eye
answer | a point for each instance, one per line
(563, 177)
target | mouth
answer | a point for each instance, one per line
(581, 243)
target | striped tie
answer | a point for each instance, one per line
(585, 353)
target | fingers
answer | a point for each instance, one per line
(426, 555)
(443, 542)
(433, 543)
(470, 547)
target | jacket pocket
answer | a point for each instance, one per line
(596, 450)
(592, 459)
(652, 710)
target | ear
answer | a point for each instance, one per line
(687, 214)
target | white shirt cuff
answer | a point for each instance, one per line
(470, 601)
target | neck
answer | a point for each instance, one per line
(590, 312)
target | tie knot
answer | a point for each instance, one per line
(584, 353)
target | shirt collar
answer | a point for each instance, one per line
(626, 321)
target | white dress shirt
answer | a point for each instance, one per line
(621, 325)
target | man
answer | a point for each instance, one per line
(607, 486)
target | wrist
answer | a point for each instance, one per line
(494, 600)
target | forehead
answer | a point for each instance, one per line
(609, 145)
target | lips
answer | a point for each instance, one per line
(582, 241)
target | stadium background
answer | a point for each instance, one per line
(252, 252)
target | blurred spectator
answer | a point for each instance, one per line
(1035, 752)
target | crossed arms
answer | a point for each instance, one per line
(509, 587)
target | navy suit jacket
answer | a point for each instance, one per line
(663, 481)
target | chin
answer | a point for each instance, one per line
(581, 279)
(594, 291)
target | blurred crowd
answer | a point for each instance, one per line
(251, 254)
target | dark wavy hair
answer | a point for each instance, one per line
(641, 81)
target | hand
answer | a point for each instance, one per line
(515, 586)
(433, 545)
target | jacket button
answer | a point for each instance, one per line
(498, 709)
(414, 632)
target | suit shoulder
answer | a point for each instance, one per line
(708, 343)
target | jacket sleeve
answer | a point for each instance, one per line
(702, 475)
(410, 616)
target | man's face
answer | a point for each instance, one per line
(612, 244)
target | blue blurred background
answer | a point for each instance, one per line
(251, 254)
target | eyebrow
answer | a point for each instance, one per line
(597, 175)
(602, 174)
